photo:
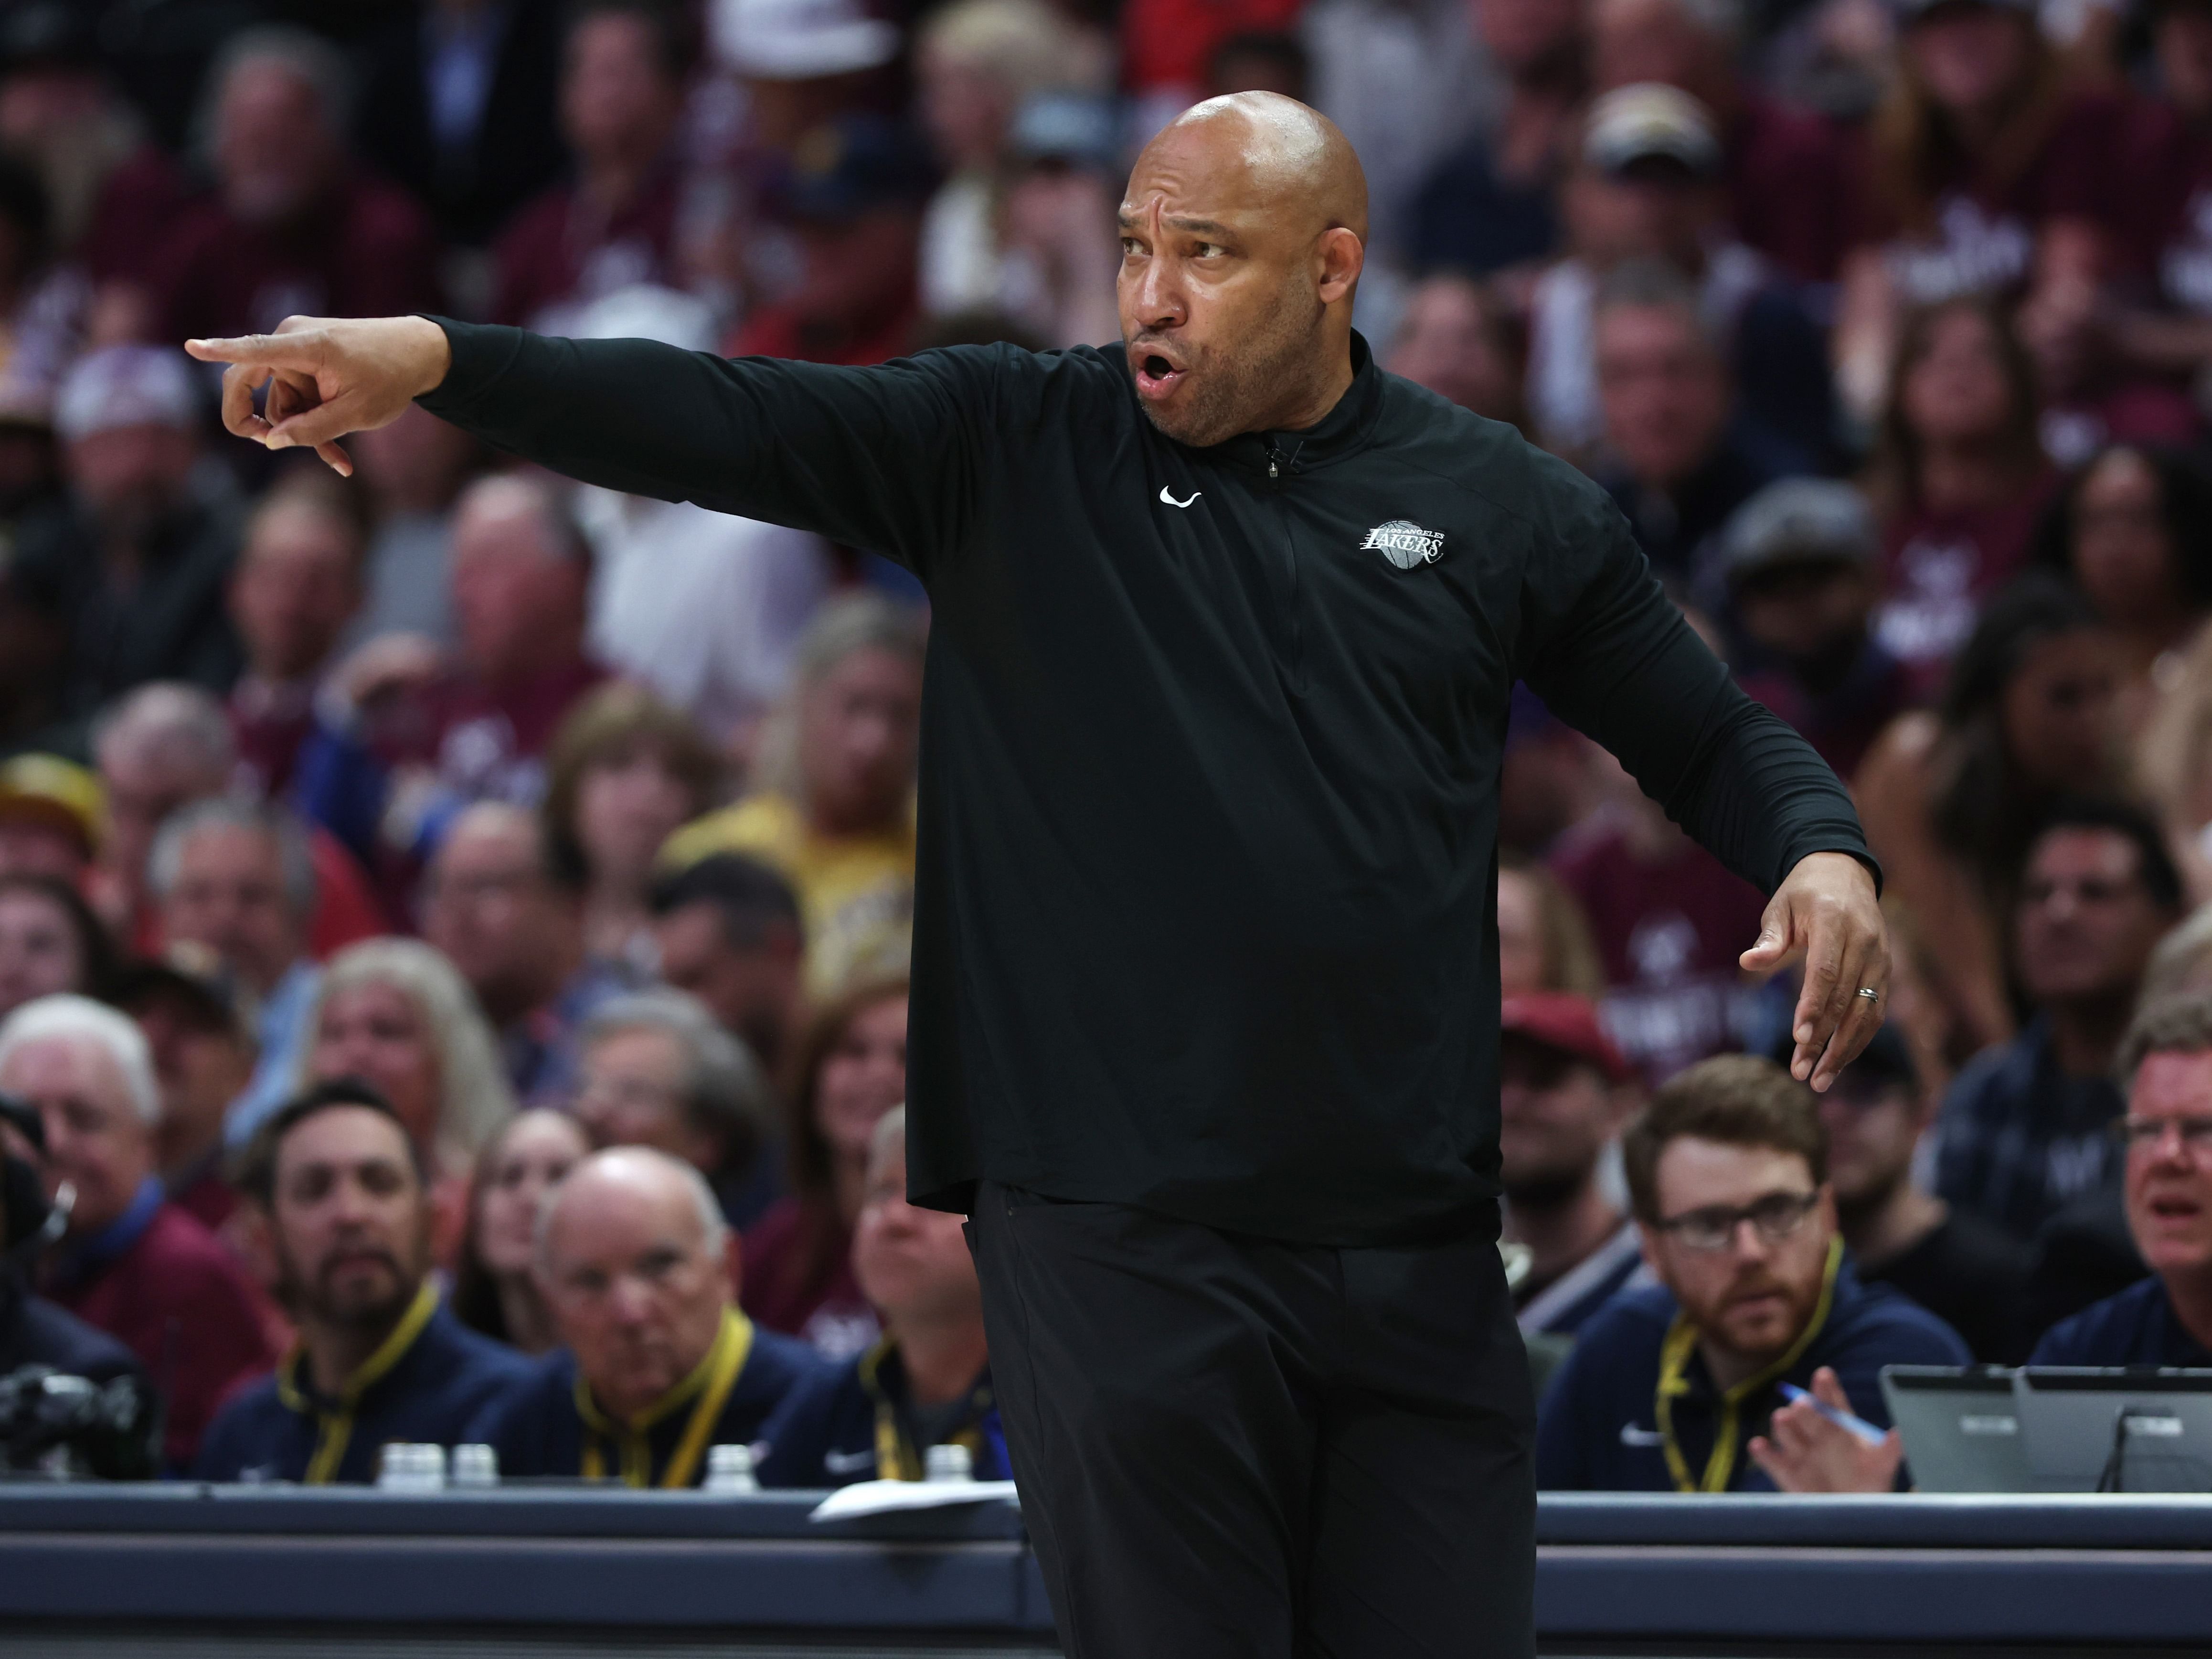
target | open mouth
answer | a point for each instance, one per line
(1157, 374)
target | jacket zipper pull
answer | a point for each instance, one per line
(1272, 454)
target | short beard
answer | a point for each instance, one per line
(1232, 396)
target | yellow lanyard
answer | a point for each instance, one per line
(897, 1458)
(711, 1381)
(334, 1429)
(1673, 1362)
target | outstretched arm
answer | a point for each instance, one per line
(874, 457)
(1618, 662)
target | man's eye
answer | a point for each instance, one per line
(1211, 250)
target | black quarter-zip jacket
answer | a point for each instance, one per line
(1210, 738)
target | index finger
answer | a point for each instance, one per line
(1823, 953)
(257, 351)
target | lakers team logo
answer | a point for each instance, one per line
(1406, 544)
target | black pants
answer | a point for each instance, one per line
(1231, 1447)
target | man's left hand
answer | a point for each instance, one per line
(1827, 912)
(1804, 1452)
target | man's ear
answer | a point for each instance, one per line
(1341, 256)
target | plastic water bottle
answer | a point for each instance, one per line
(951, 1462)
(475, 1467)
(411, 1468)
(730, 1469)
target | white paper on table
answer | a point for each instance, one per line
(890, 1497)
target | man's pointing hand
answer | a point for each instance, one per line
(326, 376)
(1827, 911)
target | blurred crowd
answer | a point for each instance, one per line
(453, 926)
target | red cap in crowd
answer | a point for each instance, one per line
(1565, 1021)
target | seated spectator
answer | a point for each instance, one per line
(296, 587)
(33, 1330)
(2090, 396)
(129, 1262)
(1667, 1387)
(291, 226)
(624, 772)
(1405, 84)
(458, 107)
(706, 608)
(1460, 339)
(1679, 464)
(1986, 170)
(50, 942)
(1785, 171)
(2027, 1126)
(977, 62)
(380, 1358)
(494, 1290)
(1648, 188)
(407, 740)
(236, 878)
(505, 913)
(1959, 477)
(727, 930)
(53, 818)
(1487, 206)
(1563, 1092)
(1803, 561)
(800, 64)
(658, 1364)
(852, 199)
(413, 471)
(850, 1069)
(1167, 45)
(1949, 798)
(833, 813)
(395, 1014)
(112, 192)
(1964, 1270)
(1544, 941)
(615, 222)
(1670, 921)
(163, 747)
(659, 1071)
(2166, 1063)
(198, 1028)
(928, 1382)
(2133, 531)
(125, 578)
(2165, 294)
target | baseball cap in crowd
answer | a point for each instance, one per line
(1567, 1022)
(126, 386)
(1072, 127)
(1798, 521)
(1651, 121)
(193, 977)
(852, 166)
(56, 794)
(646, 311)
(799, 39)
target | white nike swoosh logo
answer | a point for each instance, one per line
(1635, 1434)
(848, 1463)
(1172, 501)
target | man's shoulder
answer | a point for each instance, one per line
(2107, 1333)
(1878, 1325)
(52, 1336)
(1625, 1335)
(1999, 1072)
(1490, 459)
(238, 1434)
(466, 1354)
(783, 1361)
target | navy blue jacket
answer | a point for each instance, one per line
(2138, 1327)
(279, 1429)
(866, 1420)
(1598, 1429)
(537, 1430)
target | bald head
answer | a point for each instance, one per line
(636, 1267)
(1292, 155)
(1242, 234)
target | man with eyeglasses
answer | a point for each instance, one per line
(1670, 1388)
(2166, 1061)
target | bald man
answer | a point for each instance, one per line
(1205, 1023)
(656, 1364)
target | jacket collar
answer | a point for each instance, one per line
(1343, 431)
